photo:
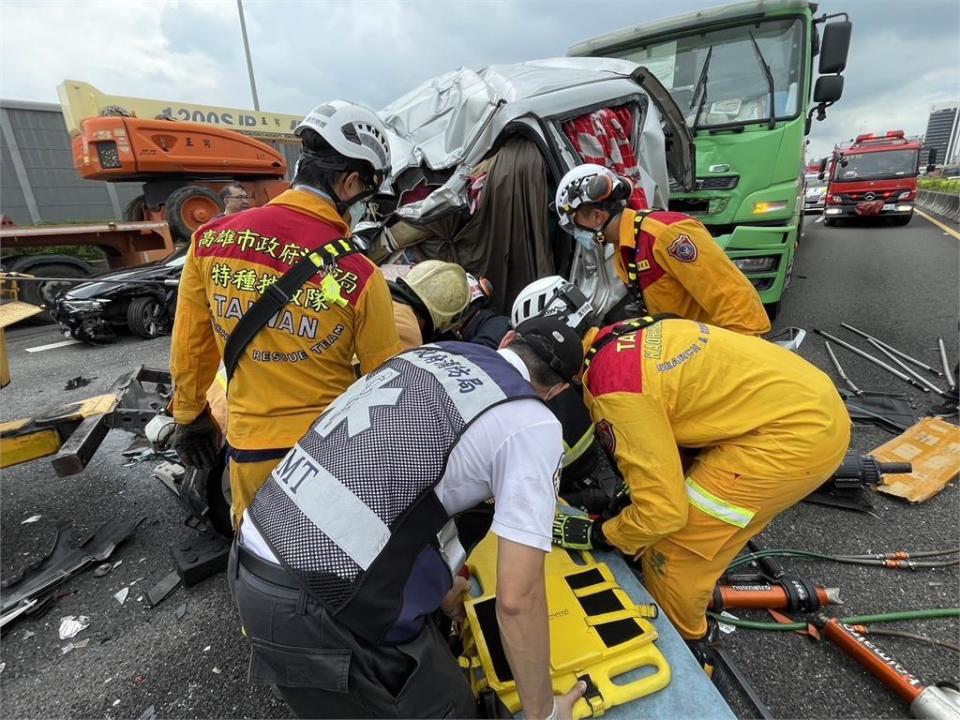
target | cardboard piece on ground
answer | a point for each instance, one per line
(933, 447)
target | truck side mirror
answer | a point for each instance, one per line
(823, 169)
(835, 46)
(828, 89)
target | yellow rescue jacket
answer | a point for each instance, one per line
(301, 361)
(762, 411)
(408, 326)
(680, 269)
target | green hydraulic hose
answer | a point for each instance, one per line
(927, 614)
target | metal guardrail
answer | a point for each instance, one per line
(944, 204)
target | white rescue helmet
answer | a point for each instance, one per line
(553, 296)
(588, 184)
(353, 131)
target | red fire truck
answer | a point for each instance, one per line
(874, 176)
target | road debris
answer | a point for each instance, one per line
(121, 595)
(78, 382)
(116, 702)
(181, 611)
(70, 625)
(149, 714)
(726, 628)
(70, 647)
(932, 447)
(217, 671)
(117, 564)
(103, 569)
(28, 634)
(207, 648)
(37, 581)
(159, 592)
(31, 519)
(3, 666)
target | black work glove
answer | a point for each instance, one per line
(197, 444)
(578, 532)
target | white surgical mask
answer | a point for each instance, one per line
(586, 238)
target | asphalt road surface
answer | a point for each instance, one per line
(898, 283)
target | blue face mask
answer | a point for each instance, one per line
(586, 238)
(357, 211)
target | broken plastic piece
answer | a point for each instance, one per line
(149, 714)
(70, 625)
(78, 382)
(159, 592)
(181, 611)
(101, 570)
(198, 559)
(726, 628)
(121, 595)
(64, 560)
(31, 519)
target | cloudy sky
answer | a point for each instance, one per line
(905, 54)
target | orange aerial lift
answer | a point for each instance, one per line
(183, 155)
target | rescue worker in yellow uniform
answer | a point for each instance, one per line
(300, 361)
(771, 426)
(429, 301)
(667, 260)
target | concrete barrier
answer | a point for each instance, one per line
(944, 204)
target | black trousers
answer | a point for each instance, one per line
(323, 670)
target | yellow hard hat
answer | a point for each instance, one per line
(443, 289)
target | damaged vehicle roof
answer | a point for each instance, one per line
(455, 119)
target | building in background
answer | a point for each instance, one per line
(943, 132)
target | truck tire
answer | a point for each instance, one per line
(44, 293)
(902, 219)
(188, 208)
(133, 212)
(147, 317)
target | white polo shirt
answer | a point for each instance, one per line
(512, 453)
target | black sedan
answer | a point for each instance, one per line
(139, 300)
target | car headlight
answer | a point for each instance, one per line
(83, 305)
(904, 208)
(762, 207)
(764, 263)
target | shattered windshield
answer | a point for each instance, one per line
(718, 77)
(877, 165)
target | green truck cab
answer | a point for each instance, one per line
(743, 75)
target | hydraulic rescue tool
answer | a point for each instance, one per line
(926, 701)
(845, 488)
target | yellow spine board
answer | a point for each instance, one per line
(596, 631)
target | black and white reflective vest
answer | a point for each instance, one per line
(351, 511)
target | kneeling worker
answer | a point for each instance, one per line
(429, 301)
(772, 426)
(351, 546)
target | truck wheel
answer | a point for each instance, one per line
(902, 219)
(46, 292)
(188, 208)
(133, 212)
(147, 317)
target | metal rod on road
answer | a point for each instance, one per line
(839, 367)
(947, 373)
(892, 349)
(871, 358)
(903, 366)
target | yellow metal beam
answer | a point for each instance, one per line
(18, 449)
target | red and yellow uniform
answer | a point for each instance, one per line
(301, 361)
(408, 326)
(680, 269)
(771, 426)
